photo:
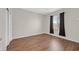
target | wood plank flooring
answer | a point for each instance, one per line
(42, 42)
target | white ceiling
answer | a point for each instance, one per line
(42, 10)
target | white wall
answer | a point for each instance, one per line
(0, 23)
(0, 29)
(25, 23)
(74, 24)
(71, 23)
(4, 29)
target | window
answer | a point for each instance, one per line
(56, 21)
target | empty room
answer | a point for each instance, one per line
(39, 29)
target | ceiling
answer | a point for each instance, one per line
(42, 10)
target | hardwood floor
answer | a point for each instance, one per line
(42, 42)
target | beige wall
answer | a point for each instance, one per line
(25, 23)
(71, 23)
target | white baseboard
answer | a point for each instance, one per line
(63, 37)
(25, 36)
(49, 34)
